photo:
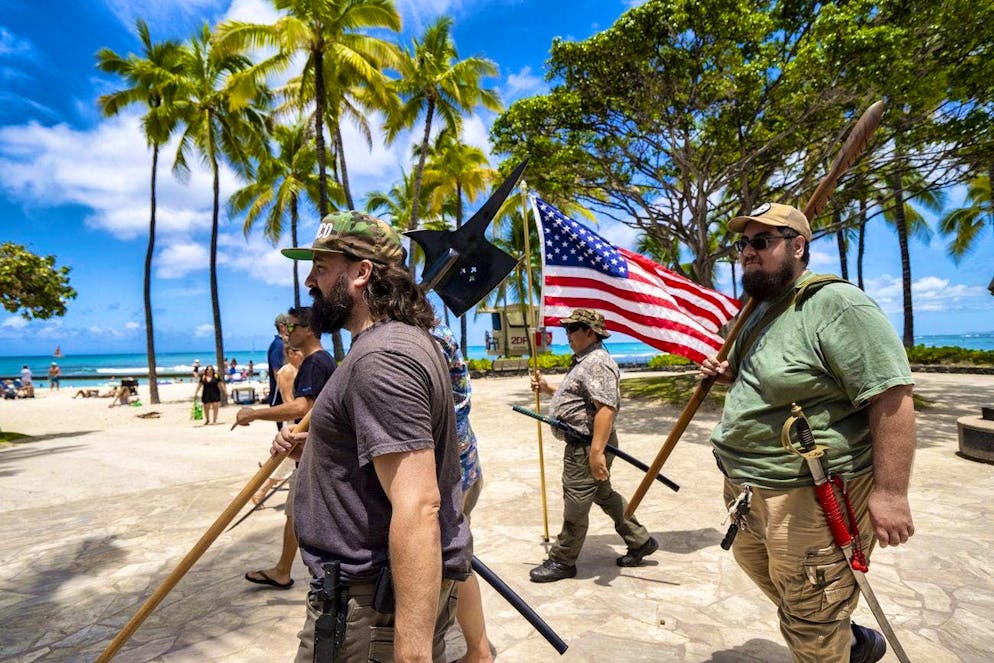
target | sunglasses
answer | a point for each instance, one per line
(290, 326)
(760, 243)
(571, 327)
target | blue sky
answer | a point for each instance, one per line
(75, 184)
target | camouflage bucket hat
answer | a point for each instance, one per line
(354, 233)
(589, 317)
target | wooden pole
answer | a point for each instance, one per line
(198, 549)
(534, 357)
(851, 149)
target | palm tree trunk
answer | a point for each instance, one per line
(901, 222)
(294, 217)
(861, 247)
(840, 239)
(344, 168)
(215, 302)
(153, 381)
(319, 103)
(419, 173)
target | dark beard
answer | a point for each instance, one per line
(763, 287)
(331, 314)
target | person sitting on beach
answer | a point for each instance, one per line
(122, 396)
(250, 372)
(95, 393)
(9, 390)
(27, 389)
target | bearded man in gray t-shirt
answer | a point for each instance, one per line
(379, 479)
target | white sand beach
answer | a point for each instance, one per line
(100, 504)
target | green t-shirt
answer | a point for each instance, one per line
(830, 355)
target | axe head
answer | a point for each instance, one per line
(475, 266)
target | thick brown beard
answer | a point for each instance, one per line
(762, 286)
(331, 314)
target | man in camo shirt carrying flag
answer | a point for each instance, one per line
(588, 400)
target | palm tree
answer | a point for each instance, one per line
(966, 223)
(433, 80)
(281, 181)
(223, 120)
(152, 79)
(456, 169)
(903, 189)
(328, 33)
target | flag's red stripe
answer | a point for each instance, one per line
(584, 287)
(673, 280)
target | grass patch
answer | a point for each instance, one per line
(671, 389)
(921, 403)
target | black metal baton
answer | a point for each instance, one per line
(566, 428)
(519, 604)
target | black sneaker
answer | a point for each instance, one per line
(550, 571)
(634, 556)
(870, 645)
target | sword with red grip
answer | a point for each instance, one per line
(847, 542)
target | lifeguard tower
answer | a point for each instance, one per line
(508, 336)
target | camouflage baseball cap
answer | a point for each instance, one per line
(589, 317)
(355, 233)
(774, 214)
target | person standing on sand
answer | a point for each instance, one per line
(53, 376)
(212, 388)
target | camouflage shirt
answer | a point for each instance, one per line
(591, 381)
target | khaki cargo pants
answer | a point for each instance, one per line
(581, 491)
(787, 549)
(368, 633)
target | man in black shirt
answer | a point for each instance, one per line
(314, 371)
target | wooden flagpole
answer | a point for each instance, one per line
(198, 549)
(853, 147)
(531, 345)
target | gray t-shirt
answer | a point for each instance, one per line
(391, 394)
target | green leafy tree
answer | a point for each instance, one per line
(32, 284)
(434, 81)
(283, 180)
(152, 79)
(223, 119)
(330, 34)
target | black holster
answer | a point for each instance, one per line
(329, 629)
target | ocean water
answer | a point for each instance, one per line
(100, 369)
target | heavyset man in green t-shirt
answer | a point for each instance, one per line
(831, 350)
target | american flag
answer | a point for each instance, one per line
(638, 298)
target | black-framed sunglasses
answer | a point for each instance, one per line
(762, 242)
(290, 326)
(571, 327)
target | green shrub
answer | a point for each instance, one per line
(547, 360)
(480, 364)
(923, 354)
(663, 361)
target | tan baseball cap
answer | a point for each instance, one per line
(589, 317)
(774, 214)
(355, 233)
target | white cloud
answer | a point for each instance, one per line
(476, 132)
(929, 293)
(258, 258)
(523, 84)
(251, 11)
(14, 322)
(132, 325)
(180, 258)
(106, 169)
(13, 46)
(161, 12)
(203, 331)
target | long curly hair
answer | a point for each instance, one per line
(392, 293)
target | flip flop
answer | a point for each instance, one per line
(266, 580)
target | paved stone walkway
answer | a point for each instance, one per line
(81, 555)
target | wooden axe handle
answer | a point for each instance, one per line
(198, 549)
